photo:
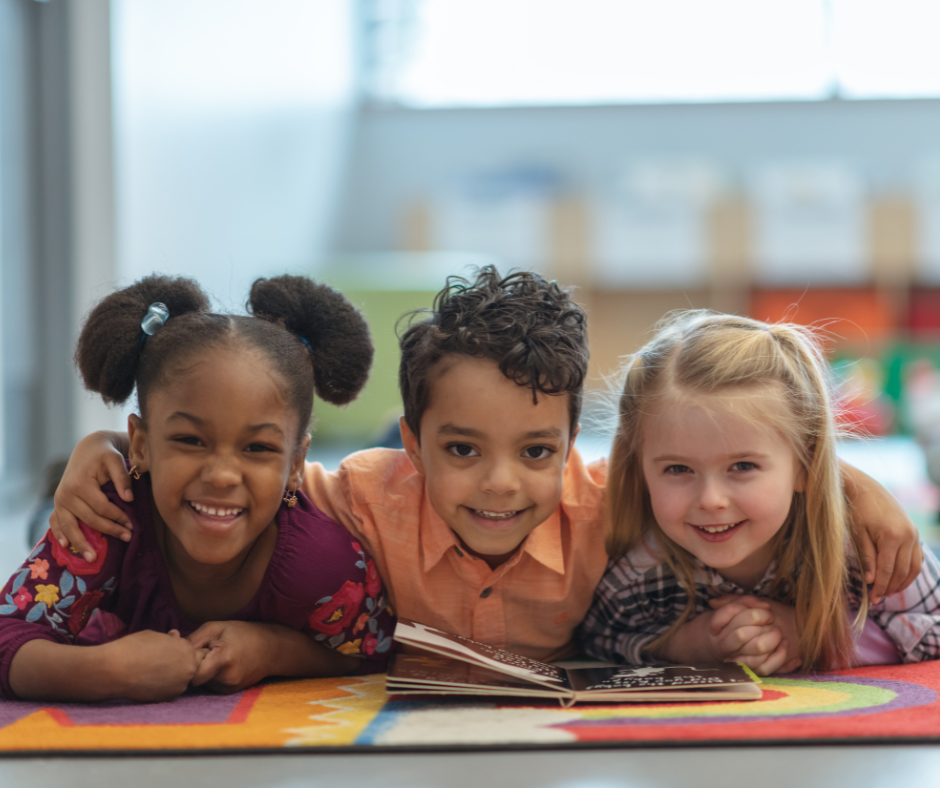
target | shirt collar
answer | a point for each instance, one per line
(436, 537)
(544, 544)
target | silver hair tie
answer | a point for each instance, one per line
(154, 319)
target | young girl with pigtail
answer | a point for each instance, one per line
(727, 521)
(232, 574)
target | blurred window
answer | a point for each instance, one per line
(477, 53)
(886, 48)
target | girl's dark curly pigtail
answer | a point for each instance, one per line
(335, 333)
(110, 344)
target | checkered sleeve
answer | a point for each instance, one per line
(632, 607)
(911, 618)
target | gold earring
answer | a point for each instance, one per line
(290, 498)
(134, 472)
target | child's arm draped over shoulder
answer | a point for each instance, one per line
(43, 609)
(96, 459)
(889, 541)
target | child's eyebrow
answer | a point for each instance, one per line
(186, 417)
(453, 429)
(739, 455)
(182, 415)
(554, 432)
(469, 432)
(269, 426)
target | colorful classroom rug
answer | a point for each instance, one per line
(886, 705)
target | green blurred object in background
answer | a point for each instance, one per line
(384, 287)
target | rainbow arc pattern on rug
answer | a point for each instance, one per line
(886, 703)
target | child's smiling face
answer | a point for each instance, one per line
(721, 484)
(491, 457)
(220, 444)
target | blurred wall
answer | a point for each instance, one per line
(401, 156)
(230, 121)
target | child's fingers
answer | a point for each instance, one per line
(791, 666)
(105, 517)
(753, 641)
(746, 599)
(206, 633)
(909, 556)
(869, 556)
(774, 662)
(735, 616)
(65, 528)
(209, 667)
(884, 571)
(56, 527)
(917, 561)
(117, 472)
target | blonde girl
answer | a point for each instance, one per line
(727, 521)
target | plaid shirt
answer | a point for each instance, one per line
(639, 598)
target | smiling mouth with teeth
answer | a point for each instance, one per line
(215, 511)
(716, 529)
(495, 515)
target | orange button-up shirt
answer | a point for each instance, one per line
(531, 604)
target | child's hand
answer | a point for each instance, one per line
(720, 635)
(95, 461)
(889, 541)
(773, 649)
(151, 667)
(238, 654)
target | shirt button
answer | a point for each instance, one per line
(486, 592)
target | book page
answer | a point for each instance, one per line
(629, 678)
(422, 636)
(410, 671)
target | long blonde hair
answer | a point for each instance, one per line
(702, 352)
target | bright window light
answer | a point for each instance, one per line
(493, 52)
(887, 48)
(490, 53)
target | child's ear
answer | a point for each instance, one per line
(295, 478)
(412, 447)
(137, 436)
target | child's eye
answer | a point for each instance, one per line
(259, 447)
(743, 466)
(187, 440)
(462, 450)
(676, 470)
(538, 452)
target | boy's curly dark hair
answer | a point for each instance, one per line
(526, 324)
(309, 333)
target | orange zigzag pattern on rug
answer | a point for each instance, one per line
(279, 711)
(341, 722)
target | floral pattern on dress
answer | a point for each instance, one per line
(64, 603)
(73, 561)
(349, 620)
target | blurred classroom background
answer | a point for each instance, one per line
(776, 158)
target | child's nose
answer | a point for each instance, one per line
(713, 495)
(221, 471)
(500, 477)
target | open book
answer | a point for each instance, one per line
(454, 665)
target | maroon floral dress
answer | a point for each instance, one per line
(319, 581)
